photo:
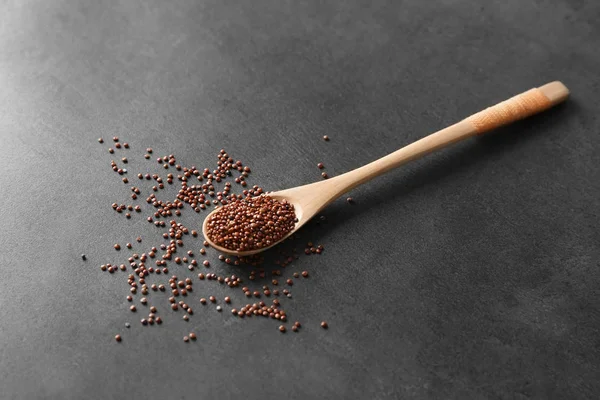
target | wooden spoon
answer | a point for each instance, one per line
(309, 200)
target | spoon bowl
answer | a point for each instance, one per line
(298, 197)
(308, 200)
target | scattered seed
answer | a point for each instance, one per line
(118, 338)
(326, 138)
(324, 325)
(271, 219)
(282, 329)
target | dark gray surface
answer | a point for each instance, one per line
(472, 274)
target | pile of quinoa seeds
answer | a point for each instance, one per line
(251, 223)
(164, 272)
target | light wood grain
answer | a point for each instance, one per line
(310, 199)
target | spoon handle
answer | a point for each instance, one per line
(516, 108)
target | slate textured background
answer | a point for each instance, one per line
(471, 274)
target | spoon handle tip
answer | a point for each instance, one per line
(519, 107)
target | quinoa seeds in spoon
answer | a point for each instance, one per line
(251, 223)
